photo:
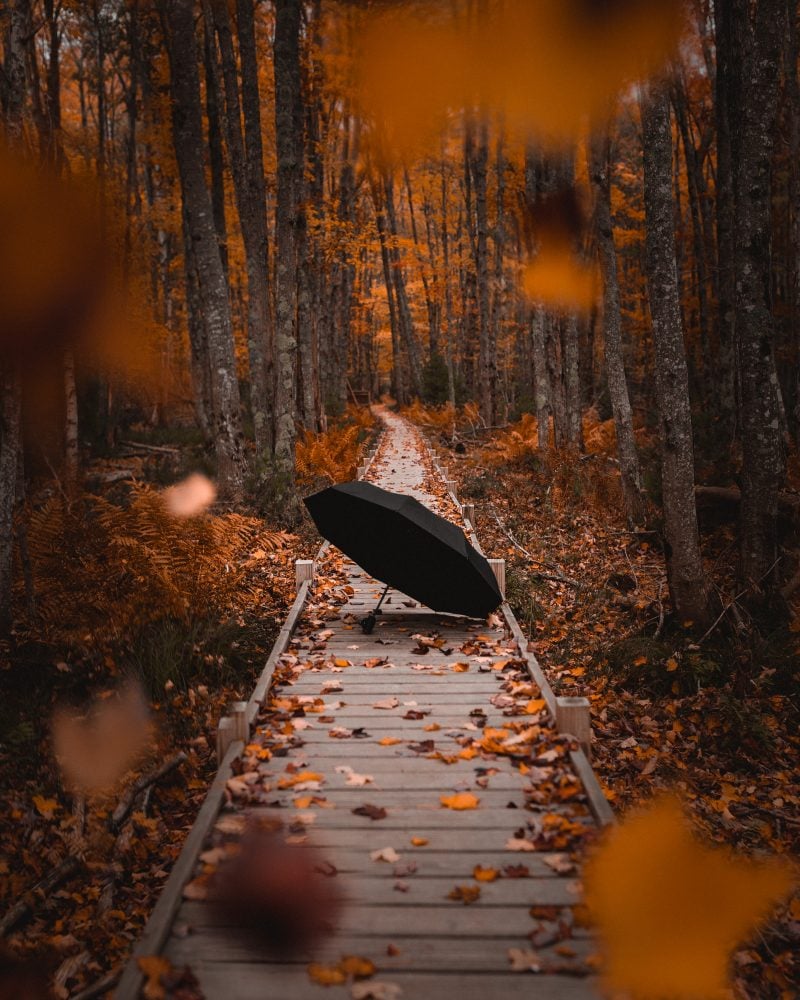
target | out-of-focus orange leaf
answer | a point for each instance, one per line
(481, 874)
(45, 807)
(357, 967)
(546, 66)
(670, 909)
(95, 746)
(419, 841)
(191, 496)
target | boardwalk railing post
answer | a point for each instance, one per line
(451, 485)
(499, 570)
(303, 570)
(573, 716)
(240, 728)
(360, 471)
(468, 513)
(224, 737)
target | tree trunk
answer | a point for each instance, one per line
(685, 573)
(757, 69)
(487, 361)
(398, 280)
(246, 160)
(212, 287)
(287, 86)
(612, 339)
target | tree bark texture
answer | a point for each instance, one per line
(630, 473)
(685, 573)
(756, 68)
(202, 237)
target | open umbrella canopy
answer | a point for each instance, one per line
(398, 540)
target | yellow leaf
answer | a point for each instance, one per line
(461, 800)
(670, 910)
(45, 807)
(484, 874)
(326, 975)
(468, 753)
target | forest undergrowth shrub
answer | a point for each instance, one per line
(101, 572)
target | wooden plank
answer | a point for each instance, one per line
(418, 954)
(292, 984)
(415, 821)
(448, 920)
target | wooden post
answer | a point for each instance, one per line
(224, 737)
(303, 570)
(240, 729)
(360, 471)
(451, 485)
(573, 716)
(468, 513)
(499, 570)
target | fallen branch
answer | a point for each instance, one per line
(125, 804)
(161, 449)
(23, 907)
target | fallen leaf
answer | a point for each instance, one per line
(385, 854)
(524, 960)
(389, 741)
(376, 990)
(373, 812)
(352, 777)
(153, 968)
(45, 807)
(326, 975)
(465, 894)
(519, 844)
(560, 863)
(461, 800)
(484, 874)
(387, 703)
(357, 967)
(419, 841)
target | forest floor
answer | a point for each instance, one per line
(109, 646)
(713, 718)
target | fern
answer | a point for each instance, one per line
(103, 571)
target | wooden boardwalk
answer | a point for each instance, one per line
(425, 709)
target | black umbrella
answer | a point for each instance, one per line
(398, 540)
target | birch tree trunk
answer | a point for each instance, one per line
(612, 339)
(757, 67)
(685, 573)
(202, 238)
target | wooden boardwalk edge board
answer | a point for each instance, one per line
(598, 803)
(158, 926)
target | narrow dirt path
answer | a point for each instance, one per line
(428, 712)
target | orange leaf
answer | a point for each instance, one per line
(484, 874)
(708, 900)
(389, 741)
(326, 975)
(461, 800)
(419, 841)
